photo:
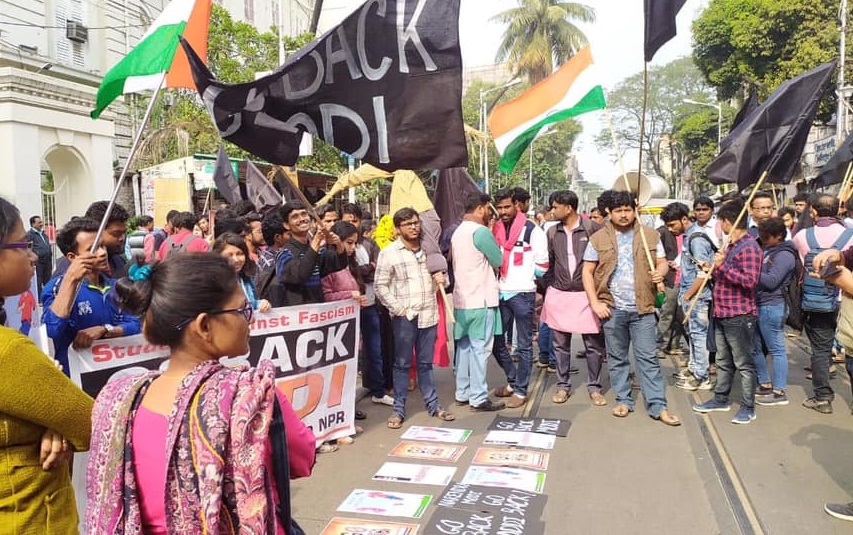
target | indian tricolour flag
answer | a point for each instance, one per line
(570, 91)
(158, 53)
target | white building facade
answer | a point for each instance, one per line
(53, 55)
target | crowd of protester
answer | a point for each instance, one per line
(513, 280)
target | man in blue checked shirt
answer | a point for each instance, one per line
(736, 274)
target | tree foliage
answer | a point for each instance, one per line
(669, 86)
(739, 44)
(541, 34)
(236, 52)
(549, 151)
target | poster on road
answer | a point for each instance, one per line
(545, 426)
(377, 502)
(521, 440)
(339, 526)
(512, 478)
(437, 434)
(420, 474)
(493, 500)
(447, 520)
(535, 460)
(428, 452)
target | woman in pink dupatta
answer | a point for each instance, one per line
(188, 450)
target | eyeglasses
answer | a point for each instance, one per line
(17, 245)
(246, 310)
(410, 224)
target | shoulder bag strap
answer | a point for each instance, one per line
(281, 467)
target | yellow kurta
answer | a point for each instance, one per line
(35, 396)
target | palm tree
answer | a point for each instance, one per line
(540, 34)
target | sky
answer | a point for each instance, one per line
(616, 39)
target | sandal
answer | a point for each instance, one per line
(359, 430)
(621, 410)
(597, 399)
(345, 440)
(668, 419)
(327, 448)
(443, 415)
(395, 421)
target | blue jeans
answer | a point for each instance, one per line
(697, 330)
(546, 345)
(735, 343)
(408, 337)
(472, 357)
(771, 331)
(374, 375)
(621, 330)
(518, 309)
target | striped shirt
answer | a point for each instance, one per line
(403, 284)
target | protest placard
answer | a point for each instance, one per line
(450, 521)
(437, 434)
(420, 474)
(513, 478)
(522, 440)
(337, 526)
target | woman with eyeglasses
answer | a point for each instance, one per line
(189, 449)
(43, 415)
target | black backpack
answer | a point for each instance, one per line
(792, 292)
(270, 287)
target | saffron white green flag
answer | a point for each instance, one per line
(570, 91)
(158, 53)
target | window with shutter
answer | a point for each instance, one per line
(78, 14)
(250, 11)
(60, 18)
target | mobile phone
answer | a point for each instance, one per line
(829, 270)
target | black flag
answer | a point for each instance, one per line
(835, 169)
(772, 137)
(749, 106)
(385, 86)
(260, 192)
(224, 178)
(451, 191)
(660, 23)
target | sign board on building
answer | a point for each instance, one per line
(823, 150)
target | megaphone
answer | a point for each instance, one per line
(643, 186)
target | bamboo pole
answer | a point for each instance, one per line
(845, 184)
(725, 245)
(448, 306)
(628, 184)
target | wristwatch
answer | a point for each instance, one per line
(110, 329)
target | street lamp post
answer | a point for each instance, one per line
(719, 109)
(484, 127)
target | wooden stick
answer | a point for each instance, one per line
(845, 184)
(448, 306)
(725, 245)
(628, 184)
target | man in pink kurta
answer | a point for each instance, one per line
(566, 309)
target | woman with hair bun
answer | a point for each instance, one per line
(43, 415)
(189, 449)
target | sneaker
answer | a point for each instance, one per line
(580, 354)
(762, 390)
(820, 405)
(384, 400)
(459, 403)
(552, 368)
(489, 406)
(516, 401)
(540, 364)
(843, 511)
(768, 400)
(694, 383)
(573, 370)
(744, 415)
(683, 373)
(711, 405)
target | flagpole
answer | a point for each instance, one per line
(725, 245)
(628, 184)
(133, 148)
